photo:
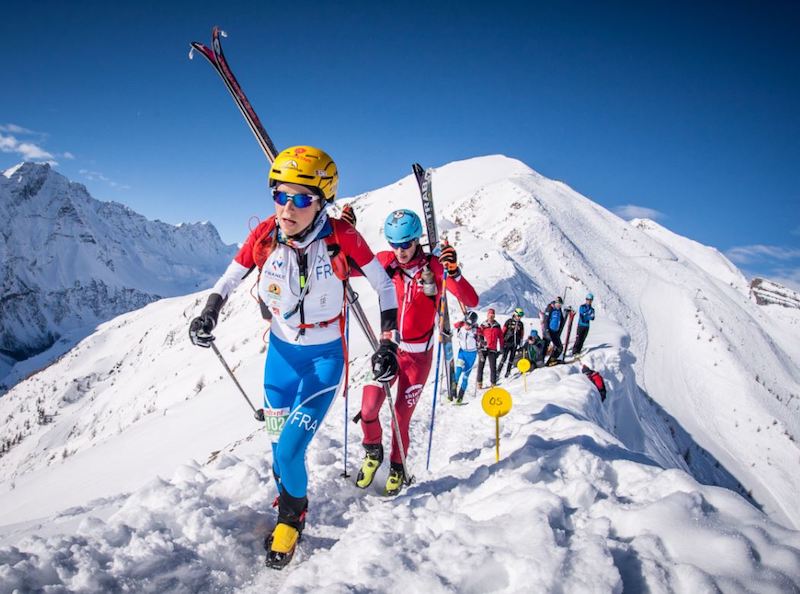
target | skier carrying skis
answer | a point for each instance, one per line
(597, 380)
(513, 331)
(417, 279)
(553, 324)
(491, 340)
(303, 259)
(534, 350)
(467, 335)
(585, 316)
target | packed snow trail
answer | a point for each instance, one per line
(568, 509)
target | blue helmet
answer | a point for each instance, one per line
(590, 296)
(401, 226)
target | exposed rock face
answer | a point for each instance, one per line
(766, 292)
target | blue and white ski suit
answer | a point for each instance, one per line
(467, 352)
(305, 358)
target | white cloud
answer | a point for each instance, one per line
(27, 150)
(68, 155)
(14, 129)
(745, 254)
(632, 211)
(97, 176)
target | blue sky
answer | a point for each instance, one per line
(686, 112)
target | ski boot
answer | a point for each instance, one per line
(460, 396)
(373, 458)
(396, 480)
(282, 543)
(480, 385)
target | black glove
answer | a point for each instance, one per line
(384, 361)
(449, 258)
(200, 327)
(349, 215)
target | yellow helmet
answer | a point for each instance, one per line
(307, 166)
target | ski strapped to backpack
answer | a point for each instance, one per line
(445, 332)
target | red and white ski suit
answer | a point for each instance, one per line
(416, 317)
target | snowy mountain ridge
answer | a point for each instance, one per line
(587, 496)
(692, 324)
(70, 261)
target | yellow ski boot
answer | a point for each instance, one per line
(373, 458)
(396, 480)
(281, 544)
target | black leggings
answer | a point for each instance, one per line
(509, 351)
(580, 336)
(492, 356)
(557, 346)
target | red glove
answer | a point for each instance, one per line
(349, 215)
(449, 258)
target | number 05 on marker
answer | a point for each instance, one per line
(496, 403)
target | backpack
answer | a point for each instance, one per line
(598, 382)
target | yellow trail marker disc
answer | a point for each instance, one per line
(496, 402)
(524, 365)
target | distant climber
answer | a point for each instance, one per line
(597, 380)
(513, 331)
(585, 316)
(553, 325)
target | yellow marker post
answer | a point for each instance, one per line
(496, 403)
(524, 367)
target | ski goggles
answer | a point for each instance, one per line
(299, 200)
(402, 246)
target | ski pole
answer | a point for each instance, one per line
(433, 408)
(346, 388)
(366, 328)
(259, 413)
(442, 306)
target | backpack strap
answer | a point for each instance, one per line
(265, 243)
(340, 262)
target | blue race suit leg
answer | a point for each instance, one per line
(300, 384)
(466, 359)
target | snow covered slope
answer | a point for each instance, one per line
(70, 261)
(705, 351)
(588, 497)
(569, 508)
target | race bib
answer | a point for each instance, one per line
(275, 420)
